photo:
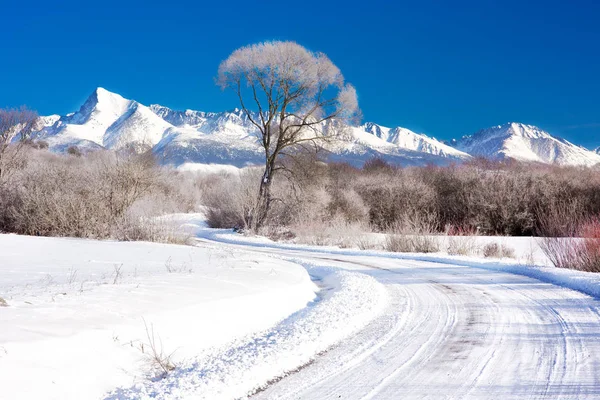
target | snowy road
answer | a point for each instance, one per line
(452, 331)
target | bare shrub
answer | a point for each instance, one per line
(395, 198)
(580, 251)
(462, 241)
(123, 180)
(74, 151)
(54, 199)
(413, 234)
(337, 232)
(16, 126)
(406, 243)
(491, 250)
(347, 204)
(101, 195)
(177, 268)
(398, 243)
(148, 230)
(590, 253)
(377, 165)
(326, 210)
(569, 239)
(562, 252)
(365, 242)
(231, 199)
(495, 250)
(159, 360)
(72, 276)
(507, 251)
(493, 198)
(346, 234)
(561, 218)
(171, 192)
(118, 273)
(462, 245)
(169, 265)
(530, 256)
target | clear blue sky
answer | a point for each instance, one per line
(445, 68)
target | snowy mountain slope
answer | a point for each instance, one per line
(408, 139)
(180, 146)
(525, 143)
(228, 138)
(47, 121)
(207, 138)
(105, 120)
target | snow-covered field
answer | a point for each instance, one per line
(244, 316)
(80, 316)
(75, 325)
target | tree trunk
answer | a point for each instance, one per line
(264, 199)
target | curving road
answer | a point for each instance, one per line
(454, 332)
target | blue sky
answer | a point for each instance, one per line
(445, 68)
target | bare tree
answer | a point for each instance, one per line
(296, 95)
(16, 126)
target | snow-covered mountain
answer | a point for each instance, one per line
(408, 139)
(525, 143)
(107, 120)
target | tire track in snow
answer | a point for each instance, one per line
(514, 325)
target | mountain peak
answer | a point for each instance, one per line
(102, 99)
(526, 131)
(103, 95)
(525, 143)
(101, 91)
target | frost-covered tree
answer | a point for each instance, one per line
(293, 93)
(16, 126)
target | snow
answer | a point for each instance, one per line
(74, 326)
(407, 139)
(454, 327)
(229, 138)
(526, 143)
(453, 331)
(233, 371)
(245, 315)
(529, 258)
(209, 168)
(79, 313)
(107, 120)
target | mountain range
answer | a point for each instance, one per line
(107, 120)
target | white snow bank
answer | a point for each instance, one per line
(585, 282)
(209, 168)
(74, 324)
(246, 365)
